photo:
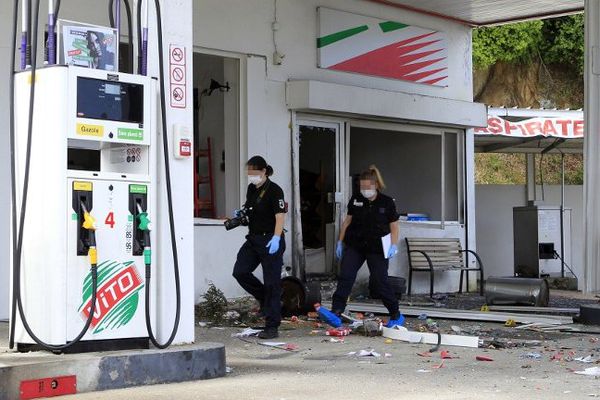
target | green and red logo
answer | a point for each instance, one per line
(117, 297)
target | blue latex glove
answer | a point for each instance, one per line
(236, 213)
(273, 244)
(339, 250)
(392, 251)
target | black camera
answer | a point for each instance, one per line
(243, 219)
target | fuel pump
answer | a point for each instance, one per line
(100, 129)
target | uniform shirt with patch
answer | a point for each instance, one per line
(266, 201)
(370, 221)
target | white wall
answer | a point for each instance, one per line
(495, 224)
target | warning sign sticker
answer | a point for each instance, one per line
(177, 76)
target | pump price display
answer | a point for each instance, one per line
(105, 100)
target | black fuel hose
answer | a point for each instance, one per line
(18, 248)
(165, 141)
(111, 18)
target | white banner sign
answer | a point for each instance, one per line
(568, 128)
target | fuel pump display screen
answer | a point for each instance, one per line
(113, 101)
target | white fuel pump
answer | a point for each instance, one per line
(85, 179)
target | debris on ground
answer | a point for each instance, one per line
(483, 358)
(593, 371)
(247, 333)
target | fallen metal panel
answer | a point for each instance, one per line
(548, 310)
(463, 314)
(430, 338)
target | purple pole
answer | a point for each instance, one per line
(51, 39)
(23, 50)
(145, 51)
(118, 26)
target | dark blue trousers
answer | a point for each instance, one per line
(352, 261)
(253, 253)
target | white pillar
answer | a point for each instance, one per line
(177, 30)
(592, 146)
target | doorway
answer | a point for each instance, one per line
(320, 195)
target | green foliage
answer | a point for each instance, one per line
(507, 43)
(214, 306)
(564, 41)
(557, 41)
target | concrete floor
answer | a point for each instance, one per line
(323, 370)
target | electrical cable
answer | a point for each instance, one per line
(18, 249)
(165, 141)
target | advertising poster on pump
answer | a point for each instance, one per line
(89, 47)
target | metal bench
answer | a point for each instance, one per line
(429, 254)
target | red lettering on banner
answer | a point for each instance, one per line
(113, 291)
(533, 127)
(578, 127)
(564, 123)
(549, 129)
(495, 125)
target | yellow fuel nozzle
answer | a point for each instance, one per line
(89, 222)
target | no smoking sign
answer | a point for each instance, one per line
(177, 76)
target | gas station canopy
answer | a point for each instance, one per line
(490, 12)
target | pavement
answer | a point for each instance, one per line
(321, 369)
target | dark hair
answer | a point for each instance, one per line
(257, 162)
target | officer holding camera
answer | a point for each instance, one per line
(264, 214)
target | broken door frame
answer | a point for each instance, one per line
(338, 124)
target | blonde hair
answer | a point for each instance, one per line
(374, 175)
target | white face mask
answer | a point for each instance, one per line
(255, 179)
(368, 193)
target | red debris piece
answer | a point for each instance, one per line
(338, 332)
(445, 355)
(557, 356)
(483, 358)
(424, 354)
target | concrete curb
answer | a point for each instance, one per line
(104, 371)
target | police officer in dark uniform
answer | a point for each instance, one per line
(265, 244)
(371, 216)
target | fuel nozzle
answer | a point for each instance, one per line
(89, 224)
(144, 227)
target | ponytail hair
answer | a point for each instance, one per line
(259, 163)
(372, 174)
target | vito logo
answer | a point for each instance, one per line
(117, 297)
(90, 130)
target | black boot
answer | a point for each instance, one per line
(269, 333)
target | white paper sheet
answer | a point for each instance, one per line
(386, 241)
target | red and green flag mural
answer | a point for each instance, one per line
(370, 46)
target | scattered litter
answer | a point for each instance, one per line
(281, 345)
(567, 392)
(387, 355)
(356, 324)
(231, 315)
(247, 333)
(593, 371)
(587, 360)
(456, 329)
(338, 332)
(202, 324)
(483, 358)
(423, 370)
(369, 353)
(316, 332)
(334, 340)
(557, 356)
(422, 317)
(511, 323)
(294, 319)
(424, 354)
(445, 355)
(532, 356)
(438, 366)
(593, 395)
(228, 370)
(388, 341)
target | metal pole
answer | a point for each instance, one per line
(562, 216)
(51, 35)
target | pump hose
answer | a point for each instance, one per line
(111, 19)
(18, 248)
(169, 197)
